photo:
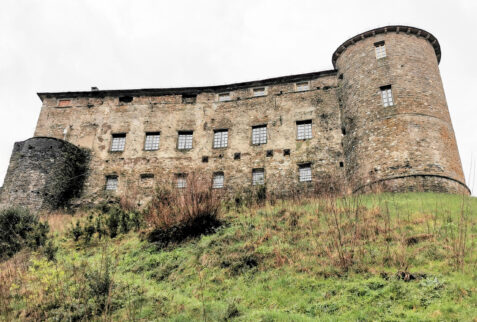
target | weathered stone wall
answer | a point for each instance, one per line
(44, 174)
(414, 137)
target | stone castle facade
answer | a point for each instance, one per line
(379, 117)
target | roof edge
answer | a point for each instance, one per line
(187, 90)
(393, 28)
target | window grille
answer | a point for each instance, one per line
(221, 138)
(118, 143)
(111, 183)
(302, 86)
(224, 97)
(258, 177)
(218, 180)
(185, 140)
(303, 130)
(259, 91)
(259, 134)
(305, 172)
(387, 95)
(181, 180)
(380, 50)
(152, 141)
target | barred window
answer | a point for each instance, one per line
(224, 97)
(380, 49)
(302, 86)
(303, 130)
(184, 141)
(260, 91)
(152, 141)
(111, 183)
(387, 95)
(221, 138)
(259, 134)
(218, 180)
(181, 180)
(258, 177)
(305, 172)
(118, 142)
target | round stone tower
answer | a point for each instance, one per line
(397, 132)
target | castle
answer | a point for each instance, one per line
(379, 117)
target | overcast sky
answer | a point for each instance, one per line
(61, 45)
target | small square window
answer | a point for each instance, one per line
(269, 153)
(111, 183)
(341, 164)
(259, 135)
(302, 86)
(224, 97)
(181, 180)
(303, 130)
(237, 156)
(152, 141)
(305, 172)
(380, 49)
(118, 143)
(259, 91)
(205, 159)
(221, 138)
(218, 180)
(64, 103)
(258, 177)
(286, 152)
(184, 141)
(387, 96)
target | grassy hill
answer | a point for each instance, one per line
(389, 257)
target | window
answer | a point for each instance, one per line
(224, 97)
(302, 86)
(189, 98)
(286, 152)
(305, 172)
(303, 130)
(205, 159)
(259, 134)
(64, 103)
(380, 50)
(184, 141)
(181, 180)
(147, 180)
(237, 156)
(118, 143)
(218, 180)
(221, 138)
(387, 95)
(152, 141)
(258, 177)
(260, 91)
(111, 183)
(269, 153)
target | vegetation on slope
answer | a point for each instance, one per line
(377, 257)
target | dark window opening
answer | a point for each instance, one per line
(125, 99)
(269, 153)
(237, 156)
(286, 152)
(189, 98)
(341, 164)
(379, 43)
(340, 77)
(205, 159)
(147, 176)
(343, 130)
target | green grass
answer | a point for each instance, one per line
(276, 263)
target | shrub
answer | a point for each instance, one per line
(177, 214)
(18, 229)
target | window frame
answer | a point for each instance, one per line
(181, 180)
(298, 85)
(152, 134)
(387, 97)
(107, 183)
(224, 97)
(307, 134)
(119, 147)
(259, 135)
(257, 93)
(255, 181)
(221, 184)
(221, 133)
(380, 50)
(305, 177)
(186, 134)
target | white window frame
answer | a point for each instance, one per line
(152, 141)
(181, 181)
(221, 138)
(380, 49)
(184, 140)
(302, 86)
(112, 182)
(258, 176)
(304, 130)
(259, 134)
(304, 172)
(259, 91)
(387, 96)
(218, 180)
(224, 97)
(118, 142)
